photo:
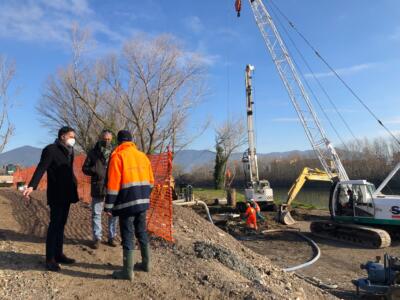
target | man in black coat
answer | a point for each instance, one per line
(57, 159)
(95, 166)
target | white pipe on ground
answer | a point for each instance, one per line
(313, 244)
(196, 202)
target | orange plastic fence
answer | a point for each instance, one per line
(159, 217)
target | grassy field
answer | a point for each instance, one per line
(209, 194)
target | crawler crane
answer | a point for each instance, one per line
(360, 213)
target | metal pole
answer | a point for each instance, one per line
(250, 125)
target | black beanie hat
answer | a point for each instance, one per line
(124, 136)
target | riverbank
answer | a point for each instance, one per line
(310, 198)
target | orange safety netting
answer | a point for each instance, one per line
(159, 217)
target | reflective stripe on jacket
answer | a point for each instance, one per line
(129, 181)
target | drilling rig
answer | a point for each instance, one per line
(256, 189)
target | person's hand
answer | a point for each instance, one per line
(26, 193)
(109, 214)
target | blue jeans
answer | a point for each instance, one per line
(133, 226)
(97, 210)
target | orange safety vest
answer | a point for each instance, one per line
(251, 218)
(129, 181)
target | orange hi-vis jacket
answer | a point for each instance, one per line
(251, 217)
(129, 181)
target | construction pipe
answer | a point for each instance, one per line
(196, 202)
(179, 201)
(312, 243)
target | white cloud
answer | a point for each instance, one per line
(209, 59)
(202, 58)
(77, 7)
(228, 33)
(344, 71)
(49, 21)
(194, 24)
(395, 36)
(394, 121)
(385, 134)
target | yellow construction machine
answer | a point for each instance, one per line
(307, 174)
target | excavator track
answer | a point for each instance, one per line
(352, 233)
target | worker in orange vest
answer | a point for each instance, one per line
(255, 205)
(251, 216)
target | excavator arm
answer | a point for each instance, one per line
(307, 174)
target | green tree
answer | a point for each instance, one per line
(219, 169)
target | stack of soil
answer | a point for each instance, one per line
(203, 263)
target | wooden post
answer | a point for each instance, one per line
(231, 197)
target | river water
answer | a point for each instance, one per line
(318, 197)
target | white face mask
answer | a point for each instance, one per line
(70, 142)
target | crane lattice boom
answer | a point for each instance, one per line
(323, 148)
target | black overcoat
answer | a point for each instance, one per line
(61, 180)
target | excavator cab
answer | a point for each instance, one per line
(352, 199)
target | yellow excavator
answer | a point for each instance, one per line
(307, 174)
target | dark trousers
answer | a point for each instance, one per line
(133, 226)
(55, 232)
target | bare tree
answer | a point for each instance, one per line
(230, 136)
(157, 84)
(76, 96)
(149, 88)
(7, 73)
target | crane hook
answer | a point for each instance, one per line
(238, 7)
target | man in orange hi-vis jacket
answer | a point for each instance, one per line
(251, 216)
(129, 183)
(255, 205)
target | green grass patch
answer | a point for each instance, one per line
(304, 205)
(208, 194)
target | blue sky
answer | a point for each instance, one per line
(361, 40)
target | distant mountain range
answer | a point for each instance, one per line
(187, 159)
(24, 156)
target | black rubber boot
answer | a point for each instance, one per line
(127, 269)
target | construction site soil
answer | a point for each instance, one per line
(338, 265)
(204, 262)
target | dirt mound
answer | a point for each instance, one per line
(204, 263)
(227, 258)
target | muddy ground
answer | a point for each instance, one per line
(204, 262)
(339, 263)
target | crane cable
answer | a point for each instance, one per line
(308, 85)
(337, 75)
(316, 79)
